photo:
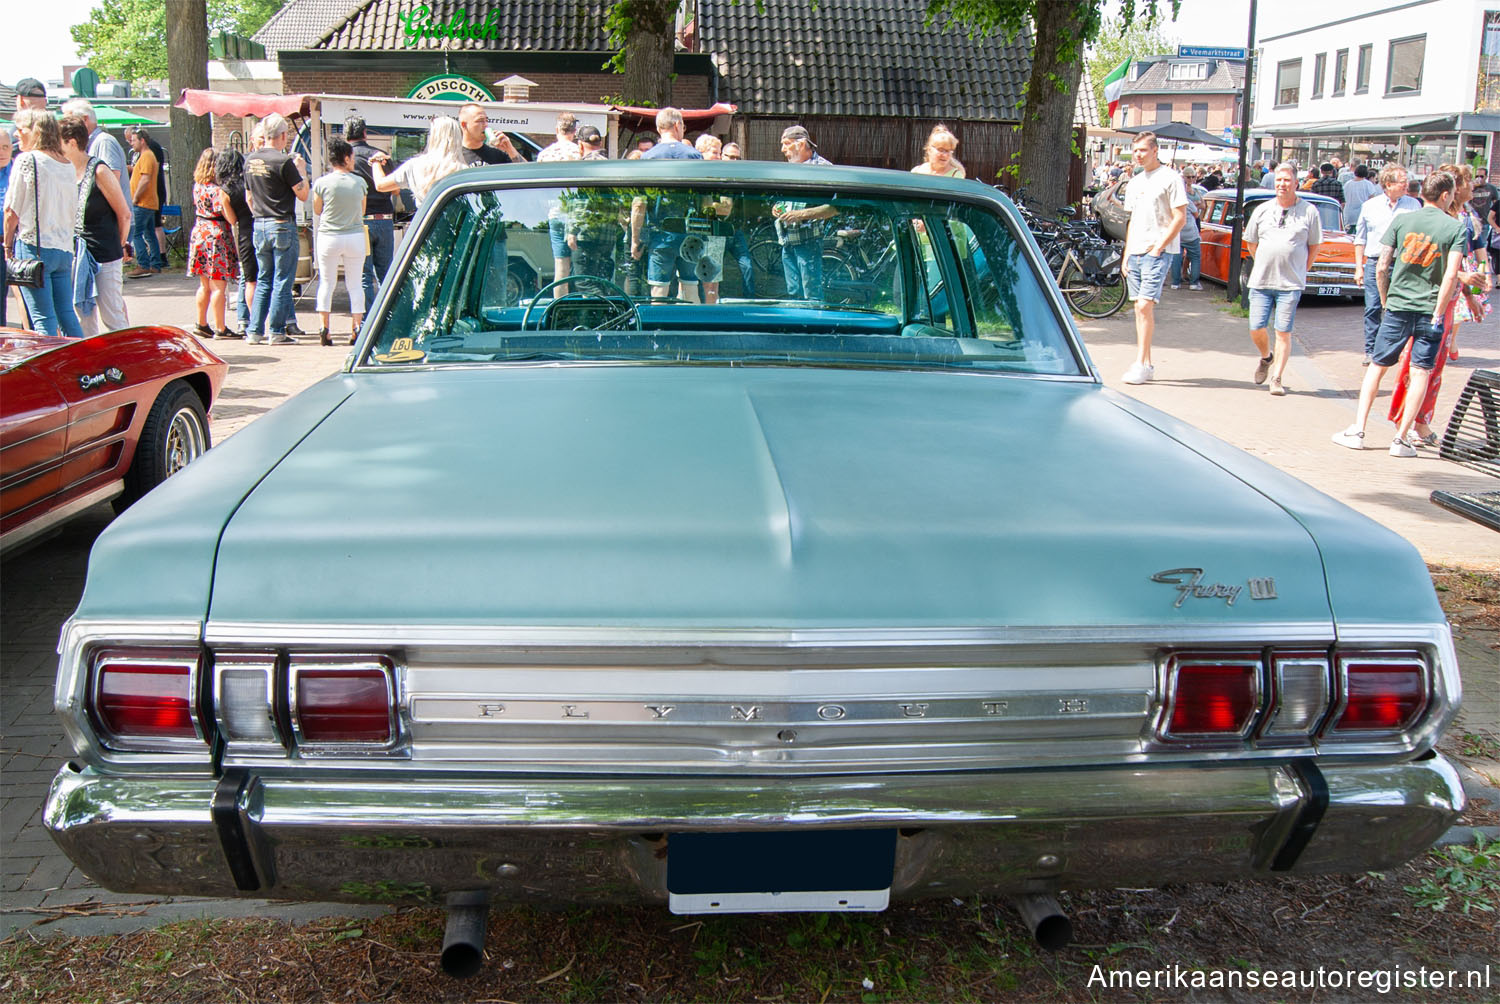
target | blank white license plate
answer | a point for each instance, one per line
(833, 871)
(1329, 291)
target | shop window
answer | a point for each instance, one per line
(1362, 77)
(1320, 68)
(1340, 72)
(1163, 112)
(1403, 73)
(1288, 83)
(1200, 114)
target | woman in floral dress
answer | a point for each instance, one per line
(212, 255)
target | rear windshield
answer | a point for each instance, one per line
(718, 275)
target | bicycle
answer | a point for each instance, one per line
(1091, 281)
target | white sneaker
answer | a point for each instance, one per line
(1197, 285)
(1401, 448)
(1175, 286)
(1139, 373)
(277, 338)
(254, 339)
(1351, 437)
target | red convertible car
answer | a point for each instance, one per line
(85, 420)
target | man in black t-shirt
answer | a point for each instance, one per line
(472, 120)
(274, 181)
(380, 212)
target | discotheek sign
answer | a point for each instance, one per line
(451, 87)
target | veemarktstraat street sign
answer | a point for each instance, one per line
(1210, 52)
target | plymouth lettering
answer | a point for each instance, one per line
(831, 712)
(660, 710)
(994, 707)
(913, 710)
(742, 714)
(1195, 587)
(571, 711)
(491, 710)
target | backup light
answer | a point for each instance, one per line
(1301, 694)
(338, 701)
(244, 697)
(145, 697)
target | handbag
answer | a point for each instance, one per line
(28, 272)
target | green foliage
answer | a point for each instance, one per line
(127, 39)
(1120, 39)
(1468, 875)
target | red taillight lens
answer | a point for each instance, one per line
(142, 696)
(1381, 693)
(343, 704)
(1213, 696)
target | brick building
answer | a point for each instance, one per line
(1199, 91)
(869, 78)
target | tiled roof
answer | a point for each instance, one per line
(520, 26)
(301, 24)
(1228, 75)
(1086, 108)
(781, 57)
(860, 57)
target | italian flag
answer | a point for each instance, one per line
(1113, 85)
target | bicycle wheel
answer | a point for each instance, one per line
(1090, 299)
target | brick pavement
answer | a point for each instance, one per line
(1204, 359)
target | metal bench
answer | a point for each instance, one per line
(1473, 440)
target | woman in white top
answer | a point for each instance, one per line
(338, 204)
(444, 155)
(40, 206)
(937, 155)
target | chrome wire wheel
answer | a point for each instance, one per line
(187, 440)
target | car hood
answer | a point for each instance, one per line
(756, 498)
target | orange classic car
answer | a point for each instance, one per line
(1333, 272)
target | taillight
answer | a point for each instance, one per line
(1213, 696)
(1380, 692)
(145, 698)
(340, 700)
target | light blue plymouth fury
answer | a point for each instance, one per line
(852, 583)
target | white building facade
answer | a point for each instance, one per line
(1415, 83)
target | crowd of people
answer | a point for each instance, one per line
(243, 246)
(1427, 267)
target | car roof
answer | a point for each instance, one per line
(1266, 193)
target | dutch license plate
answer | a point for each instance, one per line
(777, 872)
(1329, 291)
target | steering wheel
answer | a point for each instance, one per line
(608, 324)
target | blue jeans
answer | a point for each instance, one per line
(1191, 254)
(276, 258)
(802, 268)
(51, 306)
(143, 238)
(378, 261)
(1372, 307)
(739, 250)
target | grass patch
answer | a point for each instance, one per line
(1466, 879)
(1235, 309)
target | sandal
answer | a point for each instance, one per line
(223, 333)
(323, 338)
(203, 331)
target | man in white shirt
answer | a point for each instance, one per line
(1375, 217)
(1157, 203)
(1358, 190)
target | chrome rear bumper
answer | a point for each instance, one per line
(607, 839)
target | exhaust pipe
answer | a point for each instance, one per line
(463, 940)
(1049, 925)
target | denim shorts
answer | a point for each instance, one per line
(1399, 325)
(664, 260)
(1146, 275)
(557, 231)
(1283, 302)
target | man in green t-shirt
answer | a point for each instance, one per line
(1420, 257)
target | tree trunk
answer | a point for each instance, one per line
(187, 66)
(1047, 123)
(648, 51)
